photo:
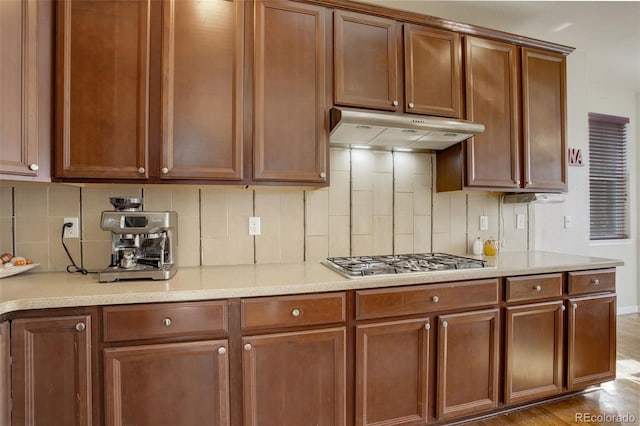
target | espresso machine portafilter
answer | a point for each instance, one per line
(142, 242)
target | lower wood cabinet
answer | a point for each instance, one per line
(51, 371)
(591, 332)
(296, 378)
(392, 363)
(5, 374)
(533, 351)
(167, 384)
(467, 363)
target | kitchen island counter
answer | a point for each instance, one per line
(60, 289)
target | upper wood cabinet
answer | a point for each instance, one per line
(102, 89)
(51, 375)
(366, 61)
(26, 30)
(202, 64)
(544, 120)
(432, 71)
(290, 115)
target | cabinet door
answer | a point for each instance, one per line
(5, 375)
(433, 71)
(51, 377)
(467, 363)
(533, 352)
(293, 379)
(102, 89)
(365, 61)
(290, 133)
(167, 384)
(18, 88)
(543, 120)
(392, 361)
(202, 89)
(591, 334)
(492, 99)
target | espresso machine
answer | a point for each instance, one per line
(143, 243)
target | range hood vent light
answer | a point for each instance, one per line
(354, 127)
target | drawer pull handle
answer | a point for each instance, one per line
(166, 322)
(596, 282)
(427, 326)
(562, 308)
(574, 305)
(141, 170)
(164, 170)
(538, 288)
(411, 105)
(295, 313)
(80, 326)
(247, 347)
(394, 103)
(445, 324)
(222, 350)
(435, 299)
(34, 167)
(323, 175)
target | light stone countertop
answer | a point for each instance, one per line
(33, 290)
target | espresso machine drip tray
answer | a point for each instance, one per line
(137, 272)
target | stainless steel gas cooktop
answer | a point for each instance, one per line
(361, 266)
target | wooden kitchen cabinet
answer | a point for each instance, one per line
(392, 372)
(467, 363)
(591, 335)
(433, 71)
(102, 105)
(5, 374)
(295, 378)
(290, 115)
(167, 384)
(202, 101)
(366, 61)
(25, 89)
(51, 371)
(534, 339)
(544, 120)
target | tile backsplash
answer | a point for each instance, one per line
(377, 203)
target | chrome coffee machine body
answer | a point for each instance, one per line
(142, 243)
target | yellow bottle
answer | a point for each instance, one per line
(490, 247)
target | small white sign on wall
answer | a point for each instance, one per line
(575, 157)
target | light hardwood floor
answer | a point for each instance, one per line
(614, 399)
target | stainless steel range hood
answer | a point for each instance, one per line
(355, 127)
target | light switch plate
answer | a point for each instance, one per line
(484, 223)
(520, 221)
(254, 225)
(567, 222)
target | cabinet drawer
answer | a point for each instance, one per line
(289, 311)
(426, 298)
(583, 282)
(533, 287)
(154, 321)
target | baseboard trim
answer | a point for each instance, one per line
(628, 310)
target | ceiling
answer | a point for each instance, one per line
(607, 33)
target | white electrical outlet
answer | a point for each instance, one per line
(254, 225)
(484, 223)
(567, 222)
(520, 221)
(72, 231)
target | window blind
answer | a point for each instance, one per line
(608, 177)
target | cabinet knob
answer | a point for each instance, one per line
(222, 350)
(295, 313)
(164, 170)
(445, 324)
(166, 322)
(411, 105)
(435, 299)
(596, 282)
(141, 170)
(395, 103)
(80, 326)
(538, 288)
(34, 167)
(427, 326)
(562, 308)
(323, 175)
(574, 305)
(247, 347)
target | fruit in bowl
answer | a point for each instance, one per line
(8, 260)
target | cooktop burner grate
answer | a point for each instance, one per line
(357, 266)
